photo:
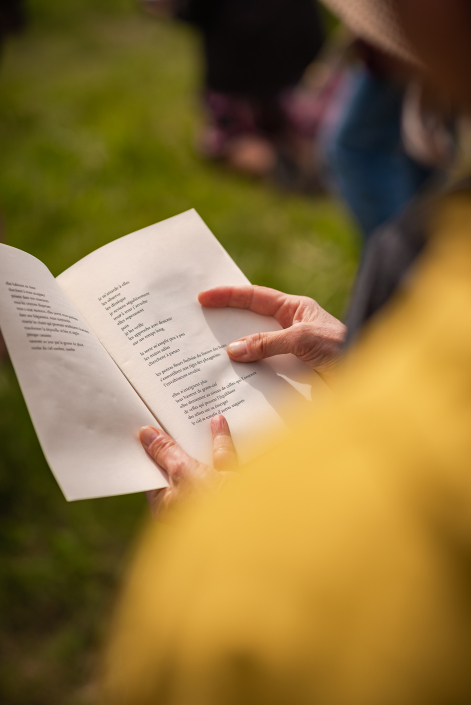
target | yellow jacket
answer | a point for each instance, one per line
(338, 568)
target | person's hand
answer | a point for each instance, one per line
(187, 476)
(310, 333)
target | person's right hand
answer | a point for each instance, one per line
(310, 333)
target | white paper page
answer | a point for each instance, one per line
(86, 414)
(139, 295)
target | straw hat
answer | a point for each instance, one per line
(376, 22)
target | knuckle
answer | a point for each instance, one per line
(161, 447)
(184, 470)
(264, 344)
(313, 343)
(305, 340)
(223, 450)
(304, 334)
(259, 344)
(307, 309)
(176, 470)
(224, 459)
(218, 454)
(223, 441)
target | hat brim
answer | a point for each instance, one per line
(375, 21)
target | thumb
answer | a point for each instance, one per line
(167, 454)
(262, 345)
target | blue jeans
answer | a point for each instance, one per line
(366, 157)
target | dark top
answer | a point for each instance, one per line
(389, 256)
(255, 47)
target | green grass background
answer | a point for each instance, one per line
(98, 113)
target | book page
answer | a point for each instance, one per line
(85, 412)
(139, 295)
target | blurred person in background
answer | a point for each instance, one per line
(382, 136)
(395, 136)
(254, 54)
(336, 568)
(12, 18)
(12, 21)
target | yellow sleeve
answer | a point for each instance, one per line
(338, 569)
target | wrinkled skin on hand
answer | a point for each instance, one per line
(188, 477)
(309, 332)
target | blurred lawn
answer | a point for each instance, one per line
(98, 112)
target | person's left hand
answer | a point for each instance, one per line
(187, 476)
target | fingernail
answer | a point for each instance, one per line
(218, 424)
(238, 348)
(147, 434)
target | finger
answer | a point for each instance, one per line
(262, 345)
(224, 452)
(258, 299)
(167, 454)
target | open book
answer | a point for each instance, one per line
(119, 341)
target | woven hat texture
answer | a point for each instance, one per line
(376, 22)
